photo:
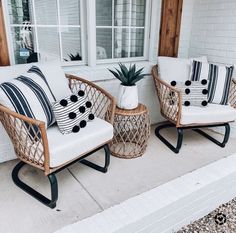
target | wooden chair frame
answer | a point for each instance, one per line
(172, 112)
(35, 150)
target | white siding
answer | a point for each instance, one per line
(185, 30)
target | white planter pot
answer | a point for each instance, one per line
(127, 97)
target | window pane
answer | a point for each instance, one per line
(121, 43)
(46, 11)
(122, 12)
(104, 43)
(104, 12)
(48, 39)
(70, 12)
(23, 45)
(137, 42)
(71, 44)
(138, 13)
(20, 11)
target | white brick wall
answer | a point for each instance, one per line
(209, 28)
(186, 27)
(155, 28)
(214, 30)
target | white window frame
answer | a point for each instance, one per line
(88, 35)
(91, 18)
(36, 26)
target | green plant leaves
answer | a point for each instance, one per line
(138, 78)
(128, 77)
(124, 70)
(75, 57)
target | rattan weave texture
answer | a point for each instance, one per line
(131, 132)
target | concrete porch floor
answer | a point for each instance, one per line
(84, 192)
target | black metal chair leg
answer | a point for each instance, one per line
(179, 140)
(221, 144)
(53, 184)
(97, 167)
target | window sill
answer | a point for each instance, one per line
(101, 73)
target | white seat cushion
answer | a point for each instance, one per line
(213, 113)
(177, 69)
(63, 148)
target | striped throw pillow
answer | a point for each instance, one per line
(31, 96)
(219, 78)
(194, 93)
(73, 112)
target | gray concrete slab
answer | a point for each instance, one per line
(84, 191)
(128, 178)
(20, 213)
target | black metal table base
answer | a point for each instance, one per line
(53, 180)
(197, 129)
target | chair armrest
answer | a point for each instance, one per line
(170, 98)
(28, 137)
(104, 104)
(232, 95)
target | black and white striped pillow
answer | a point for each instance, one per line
(29, 95)
(194, 93)
(73, 112)
(219, 78)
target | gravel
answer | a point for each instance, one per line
(221, 220)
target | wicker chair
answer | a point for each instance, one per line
(173, 113)
(36, 152)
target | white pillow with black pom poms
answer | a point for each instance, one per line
(73, 112)
(194, 93)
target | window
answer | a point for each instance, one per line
(120, 28)
(41, 30)
(44, 30)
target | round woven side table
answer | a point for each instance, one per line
(131, 132)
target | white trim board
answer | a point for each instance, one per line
(168, 207)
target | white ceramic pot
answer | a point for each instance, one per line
(127, 97)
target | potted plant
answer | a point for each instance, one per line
(128, 91)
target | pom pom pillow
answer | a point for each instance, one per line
(73, 112)
(219, 78)
(194, 93)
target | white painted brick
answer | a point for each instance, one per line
(186, 25)
(211, 32)
(169, 206)
(213, 22)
